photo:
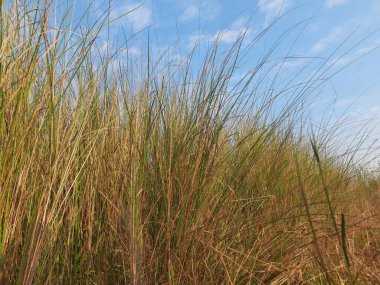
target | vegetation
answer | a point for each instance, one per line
(167, 174)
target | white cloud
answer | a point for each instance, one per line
(367, 49)
(198, 38)
(357, 54)
(237, 29)
(139, 18)
(344, 102)
(206, 10)
(333, 3)
(231, 35)
(273, 7)
(328, 40)
(189, 13)
(337, 34)
(227, 36)
(132, 51)
(375, 109)
(295, 62)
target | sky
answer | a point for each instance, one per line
(343, 34)
(330, 22)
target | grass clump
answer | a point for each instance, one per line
(179, 175)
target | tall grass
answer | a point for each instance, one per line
(176, 174)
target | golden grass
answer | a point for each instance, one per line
(177, 179)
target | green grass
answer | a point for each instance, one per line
(178, 176)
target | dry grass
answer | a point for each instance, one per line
(183, 177)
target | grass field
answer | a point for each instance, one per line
(169, 175)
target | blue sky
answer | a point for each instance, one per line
(337, 33)
(330, 22)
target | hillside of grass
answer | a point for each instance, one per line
(170, 175)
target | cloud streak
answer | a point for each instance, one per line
(236, 30)
(333, 3)
(138, 19)
(272, 8)
(324, 43)
(206, 10)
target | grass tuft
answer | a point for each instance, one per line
(148, 172)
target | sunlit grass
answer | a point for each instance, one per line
(183, 176)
